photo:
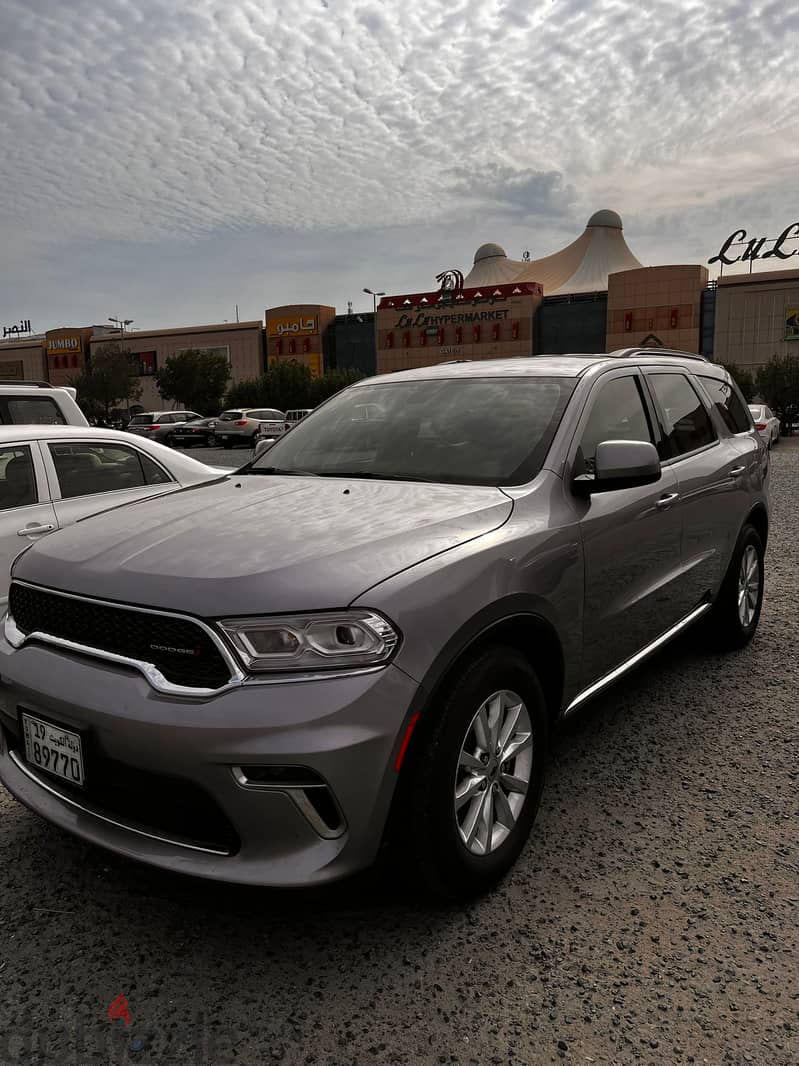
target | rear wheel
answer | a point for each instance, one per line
(733, 621)
(211, 440)
(227, 445)
(474, 782)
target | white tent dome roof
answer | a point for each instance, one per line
(611, 219)
(489, 251)
(582, 266)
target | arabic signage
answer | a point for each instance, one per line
(792, 323)
(14, 331)
(288, 327)
(753, 248)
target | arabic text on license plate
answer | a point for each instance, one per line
(51, 748)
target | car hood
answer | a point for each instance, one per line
(261, 544)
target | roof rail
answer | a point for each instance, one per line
(35, 384)
(626, 353)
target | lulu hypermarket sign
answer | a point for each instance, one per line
(753, 247)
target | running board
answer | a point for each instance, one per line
(639, 657)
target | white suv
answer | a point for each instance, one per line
(246, 425)
(157, 425)
(37, 403)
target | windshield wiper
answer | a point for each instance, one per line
(370, 474)
(275, 470)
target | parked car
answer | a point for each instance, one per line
(51, 476)
(159, 425)
(247, 425)
(766, 423)
(295, 416)
(379, 664)
(37, 403)
(201, 433)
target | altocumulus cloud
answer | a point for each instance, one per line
(160, 122)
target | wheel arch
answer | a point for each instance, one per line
(758, 517)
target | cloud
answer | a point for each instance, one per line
(164, 124)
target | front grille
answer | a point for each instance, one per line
(164, 806)
(194, 662)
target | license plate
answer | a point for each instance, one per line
(51, 748)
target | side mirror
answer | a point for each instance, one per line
(264, 446)
(621, 464)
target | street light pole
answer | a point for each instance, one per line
(374, 296)
(121, 323)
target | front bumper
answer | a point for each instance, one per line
(346, 730)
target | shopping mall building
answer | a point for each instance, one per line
(594, 295)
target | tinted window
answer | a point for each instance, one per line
(85, 469)
(17, 479)
(617, 413)
(470, 431)
(31, 411)
(142, 420)
(687, 424)
(231, 416)
(729, 403)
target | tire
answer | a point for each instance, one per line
(211, 441)
(434, 833)
(227, 445)
(728, 626)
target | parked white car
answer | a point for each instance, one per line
(50, 476)
(249, 424)
(37, 403)
(766, 423)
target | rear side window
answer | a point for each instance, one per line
(17, 479)
(85, 469)
(687, 424)
(30, 411)
(729, 403)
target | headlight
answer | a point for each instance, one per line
(335, 640)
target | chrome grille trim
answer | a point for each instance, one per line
(17, 639)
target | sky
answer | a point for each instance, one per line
(165, 161)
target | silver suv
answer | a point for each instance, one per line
(366, 635)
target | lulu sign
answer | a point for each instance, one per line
(304, 325)
(754, 247)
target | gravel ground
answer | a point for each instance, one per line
(652, 919)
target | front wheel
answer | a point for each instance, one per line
(211, 440)
(733, 621)
(474, 781)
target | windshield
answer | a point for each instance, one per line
(469, 431)
(231, 416)
(142, 420)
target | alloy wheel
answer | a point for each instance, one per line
(494, 769)
(748, 585)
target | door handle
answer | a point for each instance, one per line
(36, 530)
(737, 471)
(665, 502)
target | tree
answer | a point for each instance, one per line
(331, 383)
(743, 378)
(284, 386)
(195, 379)
(288, 386)
(778, 384)
(110, 379)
